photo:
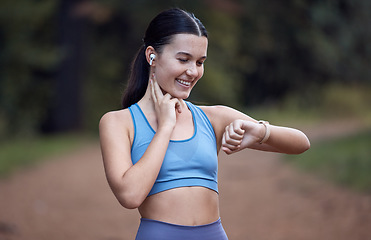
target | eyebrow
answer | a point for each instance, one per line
(190, 55)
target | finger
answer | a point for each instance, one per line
(235, 131)
(167, 96)
(228, 143)
(228, 150)
(231, 147)
(176, 103)
(180, 104)
(157, 90)
(226, 134)
(235, 141)
(237, 126)
(153, 91)
(178, 107)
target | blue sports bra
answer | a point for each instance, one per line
(189, 162)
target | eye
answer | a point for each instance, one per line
(200, 63)
(183, 60)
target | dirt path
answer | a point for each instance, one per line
(262, 198)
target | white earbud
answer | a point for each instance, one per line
(151, 57)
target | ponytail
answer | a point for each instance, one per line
(138, 80)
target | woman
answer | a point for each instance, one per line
(160, 152)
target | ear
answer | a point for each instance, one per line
(150, 50)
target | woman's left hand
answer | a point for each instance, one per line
(241, 134)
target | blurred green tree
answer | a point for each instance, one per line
(28, 58)
(64, 63)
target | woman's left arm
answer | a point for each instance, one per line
(236, 131)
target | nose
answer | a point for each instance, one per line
(192, 71)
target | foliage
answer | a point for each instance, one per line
(346, 160)
(351, 101)
(297, 46)
(28, 57)
(333, 102)
(260, 52)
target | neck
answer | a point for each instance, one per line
(147, 103)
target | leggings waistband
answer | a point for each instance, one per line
(181, 226)
(150, 229)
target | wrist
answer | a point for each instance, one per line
(165, 130)
(266, 130)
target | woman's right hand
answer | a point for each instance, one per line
(165, 106)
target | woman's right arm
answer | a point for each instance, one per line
(132, 183)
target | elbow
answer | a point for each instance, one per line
(129, 204)
(130, 200)
(306, 144)
(302, 147)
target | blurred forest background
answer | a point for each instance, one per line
(301, 63)
(63, 64)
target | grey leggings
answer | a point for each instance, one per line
(156, 230)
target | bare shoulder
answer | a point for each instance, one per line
(117, 123)
(117, 118)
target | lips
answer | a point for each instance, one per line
(184, 83)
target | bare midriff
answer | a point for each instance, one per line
(189, 206)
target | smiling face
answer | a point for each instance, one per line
(181, 64)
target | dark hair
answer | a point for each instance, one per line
(159, 33)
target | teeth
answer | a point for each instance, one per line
(184, 82)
